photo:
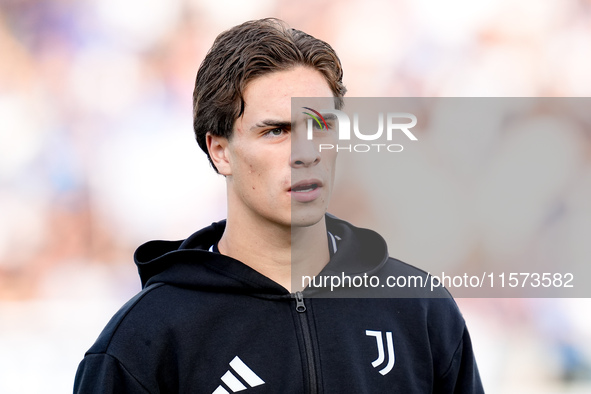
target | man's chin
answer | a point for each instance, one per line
(305, 219)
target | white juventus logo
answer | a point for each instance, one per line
(381, 356)
(233, 383)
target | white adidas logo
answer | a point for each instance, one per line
(233, 383)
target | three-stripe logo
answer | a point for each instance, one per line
(235, 384)
(381, 355)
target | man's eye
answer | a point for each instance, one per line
(275, 132)
(323, 126)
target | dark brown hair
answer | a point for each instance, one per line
(248, 51)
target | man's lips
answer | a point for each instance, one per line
(306, 191)
(305, 186)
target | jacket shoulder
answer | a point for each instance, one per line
(407, 281)
(102, 373)
(103, 342)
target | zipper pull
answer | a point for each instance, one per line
(300, 306)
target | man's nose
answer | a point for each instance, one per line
(304, 152)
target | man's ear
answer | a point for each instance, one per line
(218, 151)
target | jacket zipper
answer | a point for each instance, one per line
(307, 335)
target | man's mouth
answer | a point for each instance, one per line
(304, 188)
(306, 191)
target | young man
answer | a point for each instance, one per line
(218, 312)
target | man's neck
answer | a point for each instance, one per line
(309, 252)
(277, 251)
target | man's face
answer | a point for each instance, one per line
(274, 172)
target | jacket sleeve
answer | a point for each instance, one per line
(102, 373)
(462, 376)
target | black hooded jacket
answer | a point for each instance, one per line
(207, 323)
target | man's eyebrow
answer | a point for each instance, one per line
(272, 122)
(329, 116)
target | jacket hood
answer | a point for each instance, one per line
(189, 263)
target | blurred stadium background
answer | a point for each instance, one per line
(97, 154)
